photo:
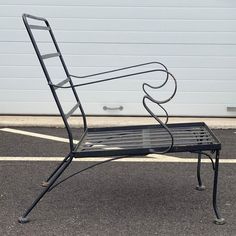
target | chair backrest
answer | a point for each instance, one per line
(41, 24)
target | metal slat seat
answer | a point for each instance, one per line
(141, 140)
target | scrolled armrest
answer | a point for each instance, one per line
(148, 97)
(160, 122)
(160, 86)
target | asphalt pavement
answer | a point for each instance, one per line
(117, 198)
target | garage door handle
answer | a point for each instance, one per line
(231, 108)
(120, 108)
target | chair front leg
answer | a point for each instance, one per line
(219, 220)
(24, 219)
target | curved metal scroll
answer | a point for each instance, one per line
(158, 103)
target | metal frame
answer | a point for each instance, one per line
(139, 140)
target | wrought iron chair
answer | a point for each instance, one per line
(122, 141)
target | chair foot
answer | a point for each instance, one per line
(23, 220)
(200, 188)
(44, 184)
(220, 221)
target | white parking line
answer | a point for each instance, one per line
(158, 158)
(50, 137)
(44, 136)
(32, 134)
(148, 158)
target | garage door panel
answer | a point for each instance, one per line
(128, 37)
(119, 96)
(123, 49)
(195, 39)
(204, 86)
(129, 109)
(181, 109)
(143, 25)
(189, 74)
(120, 12)
(138, 3)
(122, 61)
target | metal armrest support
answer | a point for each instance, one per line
(158, 103)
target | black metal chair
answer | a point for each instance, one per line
(120, 142)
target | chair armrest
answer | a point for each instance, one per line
(120, 69)
(116, 77)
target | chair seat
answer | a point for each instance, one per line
(146, 139)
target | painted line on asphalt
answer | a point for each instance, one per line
(158, 158)
(45, 136)
(37, 135)
(50, 137)
(148, 158)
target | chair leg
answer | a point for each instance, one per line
(219, 220)
(45, 183)
(24, 218)
(200, 186)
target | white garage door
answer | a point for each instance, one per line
(195, 39)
